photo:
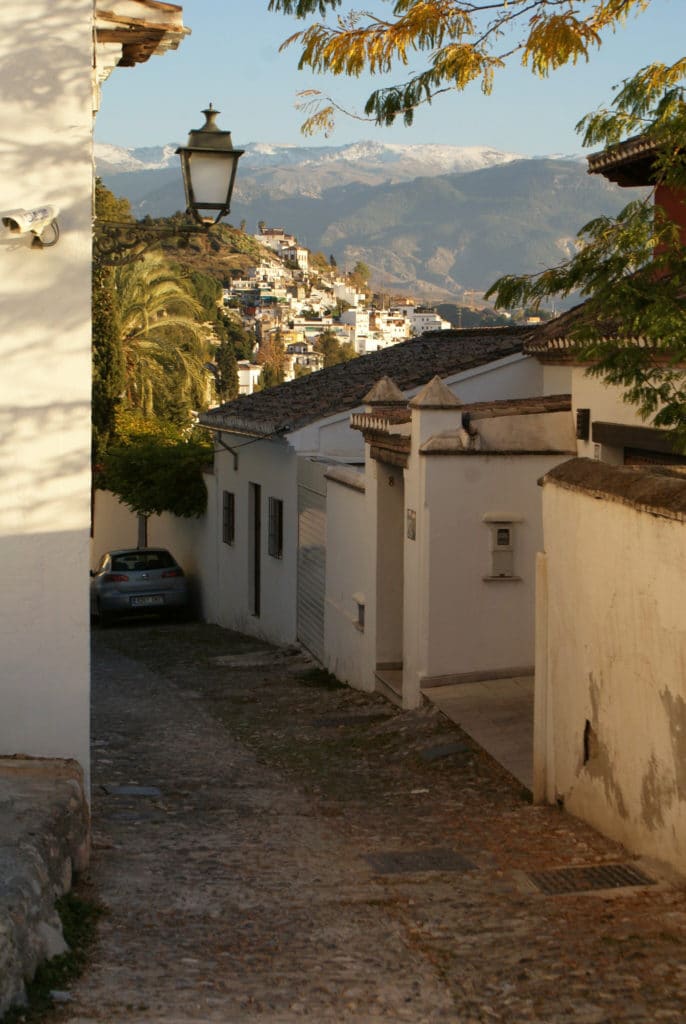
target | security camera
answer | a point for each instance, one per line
(36, 221)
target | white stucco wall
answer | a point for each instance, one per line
(514, 376)
(388, 484)
(46, 157)
(470, 623)
(607, 406)
(329, 437)
(553, 430)
(349, 579)
(616, 658)
(557, 379)
(273, 465)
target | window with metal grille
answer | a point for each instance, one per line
(275, 547)
(228, 517)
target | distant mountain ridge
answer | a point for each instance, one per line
(398, 159)
(422, 229)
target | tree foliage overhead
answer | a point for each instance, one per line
(455, 42)
(631, 268)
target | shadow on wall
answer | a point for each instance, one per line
(44, 645)
(45, 466)
(46, 26)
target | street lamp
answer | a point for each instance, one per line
(208, 164)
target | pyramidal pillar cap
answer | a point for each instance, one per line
(435, 395)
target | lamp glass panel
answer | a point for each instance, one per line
(211, 177)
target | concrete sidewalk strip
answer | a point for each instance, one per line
(498, 714)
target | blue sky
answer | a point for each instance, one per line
(232, 60)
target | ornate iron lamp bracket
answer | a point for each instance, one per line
(118, 242)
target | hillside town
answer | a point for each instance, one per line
(290, 300)
(343, 681)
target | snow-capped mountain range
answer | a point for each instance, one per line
(437, 159)
(146, 174)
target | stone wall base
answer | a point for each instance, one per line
(44, 840)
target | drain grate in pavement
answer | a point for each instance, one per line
(588, 879)
(399, 862)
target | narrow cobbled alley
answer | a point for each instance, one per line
(272, 847)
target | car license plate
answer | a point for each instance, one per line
(145, 602)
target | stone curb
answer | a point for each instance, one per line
(44, 839)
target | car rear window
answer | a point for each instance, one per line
(142, 561)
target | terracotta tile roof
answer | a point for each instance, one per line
(554, 342)
(657, 490)
(553, 337)
(519, 406)
(410, 364)
(628, 163)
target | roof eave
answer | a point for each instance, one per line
(129, 32)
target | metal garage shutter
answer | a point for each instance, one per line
(311, 556)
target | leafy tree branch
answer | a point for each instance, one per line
(459, 42)
(631, 269)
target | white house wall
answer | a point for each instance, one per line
(616, 659)
(272, 465)
(349, 581)
(470, 625)
(525, 432)
(514, 376)
(386, 489)
(46, 113)
(557, 379)
(607, 406)
(331, 438)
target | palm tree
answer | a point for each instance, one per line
(164, 343)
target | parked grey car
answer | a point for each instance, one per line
(132, 581)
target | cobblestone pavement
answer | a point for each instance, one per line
(244, 810)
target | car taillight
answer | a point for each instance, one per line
(115, 577)
(172, 572)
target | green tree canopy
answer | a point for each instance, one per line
(631, 268)
(110, 207)
(108, 380)
(207, 290)
(272, 358)
(359, 275)
(227, 372)
(333, 350)
(242, 340)
(164, 342)
(155, 469)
